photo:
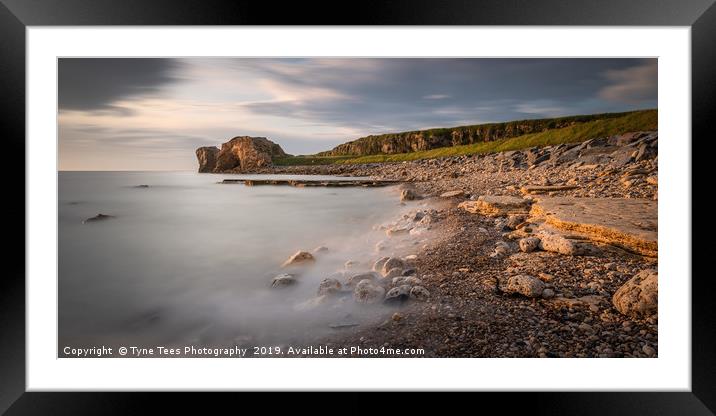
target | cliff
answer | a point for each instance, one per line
(240, 154)
(415, 141)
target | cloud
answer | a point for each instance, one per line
(436, 97)
(96, 84)
(312, 104)
(632, 85)
(542, 108)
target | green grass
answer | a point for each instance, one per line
(636, 121)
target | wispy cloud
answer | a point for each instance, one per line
(632, 85)
(436, 97)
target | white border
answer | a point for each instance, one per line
(671, 371)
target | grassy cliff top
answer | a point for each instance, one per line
(625, 122)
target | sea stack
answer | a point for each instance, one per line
(240, 154)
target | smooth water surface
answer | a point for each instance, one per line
(190, 260)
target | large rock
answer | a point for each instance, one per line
(496, 206)
(240, 154)
(627, 223)
(207, 158)
(639, 296)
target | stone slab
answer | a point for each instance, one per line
(627, 223)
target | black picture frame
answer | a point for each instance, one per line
(16, 15)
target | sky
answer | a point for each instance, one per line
(152, 113)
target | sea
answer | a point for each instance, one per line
(188, 260)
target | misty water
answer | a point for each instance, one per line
(189, 260)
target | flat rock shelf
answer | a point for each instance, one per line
(299, 183)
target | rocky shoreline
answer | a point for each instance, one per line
(547, 252)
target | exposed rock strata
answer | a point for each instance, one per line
(240, 154)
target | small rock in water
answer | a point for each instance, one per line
(350, 264)
(378, 265)
(98, 217)
(142, 186)
(380, 245)
(397, 317)
(299, 258)
(329, 286)
(418, 231)
(398, 294)
(394, 272)
(418, 216)
(320, 249)
(392, 263)
(283, 280)
(357, 278)
(408, 194)
(367, 292)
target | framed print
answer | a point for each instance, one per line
(404, 198)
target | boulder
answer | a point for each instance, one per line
(394, 272)
(392, 263)
(639, 296)
(529, 244)
(378, 265)
(298, 259)
(359, 277)
(398, 294)
(367, 292)
(524, 285)
(558, 243)
(419, 293)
